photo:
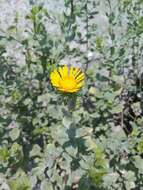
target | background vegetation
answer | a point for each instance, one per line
(47, 142)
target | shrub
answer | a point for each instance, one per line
(91, 139)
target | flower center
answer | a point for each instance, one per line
(68, 83)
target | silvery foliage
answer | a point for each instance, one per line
(91, 140)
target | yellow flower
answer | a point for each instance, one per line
(67, 79)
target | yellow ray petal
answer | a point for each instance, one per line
(55, 78)
(80, 84)
(63, 71)
(80, 77)
(71, 73)
(77, 72)
(69, 90)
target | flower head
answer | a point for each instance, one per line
(67, 79)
